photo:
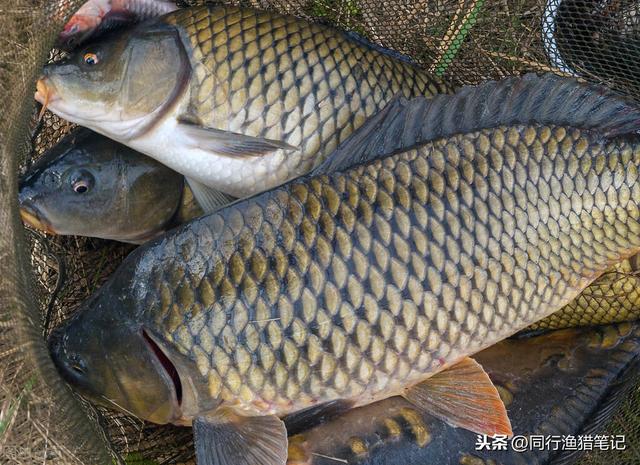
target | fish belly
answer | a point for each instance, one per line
(235, 176)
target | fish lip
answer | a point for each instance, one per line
(33, 218)
(169, 370)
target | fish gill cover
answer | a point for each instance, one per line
(45, 278)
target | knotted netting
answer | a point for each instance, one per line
(43, 279)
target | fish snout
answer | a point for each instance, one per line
(30, 214)
(71, 368)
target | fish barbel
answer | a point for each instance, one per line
(372, 280)
(236, 99)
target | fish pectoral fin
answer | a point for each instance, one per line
(463, 396)
(227, 438)
(208, 198)
(229, 144)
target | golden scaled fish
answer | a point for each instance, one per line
(236, 99)
(89, 185)
(563, 383)
(613, 297)
(373, 280)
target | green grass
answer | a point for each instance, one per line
(15, 405)
(346, 13)
(136, 458)
(458, 40)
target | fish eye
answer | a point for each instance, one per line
(82, 181)
(80, 187)
(90, 59)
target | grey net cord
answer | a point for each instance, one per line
(464, 41)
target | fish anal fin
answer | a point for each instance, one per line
(463, 396)
(227, 438)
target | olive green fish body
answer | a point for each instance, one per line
(613, 297)
(283, 78)
(236, 99)
(89, 185)
(354, 285)
(371, 279)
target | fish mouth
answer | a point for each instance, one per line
(32, 217)
(167, 365)
(44, 95)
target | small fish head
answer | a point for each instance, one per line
(91, 186)
(119, 84)
(78, 30)
(107, 356)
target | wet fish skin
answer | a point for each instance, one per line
(92, 186)
(343, 240)
(609, 299)
(269, 260)
(371, 281)
(614, 297)
(560, 383)
(97, 16)
(268, 96)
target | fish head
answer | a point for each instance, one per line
(120, 84)
(78, 30)
(89, 185)
(107, 356)
(83, 23)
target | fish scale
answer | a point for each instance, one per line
(356, 284)
(283, 78)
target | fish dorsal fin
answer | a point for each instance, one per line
(371, 134)
(531, 99)
(462, 396)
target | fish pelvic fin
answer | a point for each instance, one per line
(463, 396)
(228, 438)
(208, 198)
(227, 143)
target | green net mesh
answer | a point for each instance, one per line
(45, 278)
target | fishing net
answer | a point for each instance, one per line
(43, 279)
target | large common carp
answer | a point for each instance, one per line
(374, 280)
(236, 99)
(130, 197)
